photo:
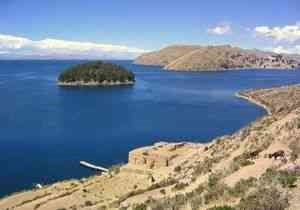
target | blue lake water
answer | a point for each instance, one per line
(46, 130)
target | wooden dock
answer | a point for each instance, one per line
(93, 167)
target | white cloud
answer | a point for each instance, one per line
(289, 33)
(12, 42)
(287, 50)
(221, 29)
(62, 48)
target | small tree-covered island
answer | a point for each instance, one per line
(96, 73)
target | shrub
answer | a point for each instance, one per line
(115, 169)
(102, 208)
(145, 153)
(215, 193)
(222, 208)
(177, 169)
(264, 199)
(243, 160)
(179, 186)
(215, 189)
(242, 186)
(140, 207)
(203, 167)
(199, 189)
(286, 179)
(238, 162)
(195, 201)
(88, 203)
(163, 191)
(175, 203)
(269, 176)
(213, 180)
(295, 148)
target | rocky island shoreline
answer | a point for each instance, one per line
(216, 58)
(95, 84)
(257, 167)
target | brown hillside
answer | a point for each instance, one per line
(212, 58)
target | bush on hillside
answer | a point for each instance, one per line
(222, 208)
(286, 179)
(242, 186)
(264, 199)
(140, 207)
(115, 169)
(215, 189)
(295, 148)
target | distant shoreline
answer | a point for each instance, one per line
(214, 70)
(231, 69)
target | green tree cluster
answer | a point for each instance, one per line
(97, 71)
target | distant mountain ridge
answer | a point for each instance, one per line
(213, 58)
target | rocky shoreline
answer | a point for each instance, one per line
(254, 101)
(229, 170)
(95, 84)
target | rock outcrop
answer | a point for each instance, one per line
(160, 155)
(214, 58)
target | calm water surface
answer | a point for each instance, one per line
(46, 130)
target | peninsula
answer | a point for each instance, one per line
(96, 74)
(258, 167)
(216, 58)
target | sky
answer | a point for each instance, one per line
(127, 28)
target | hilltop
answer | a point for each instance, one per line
(256, 168)
(213, 58)
(96, 74)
